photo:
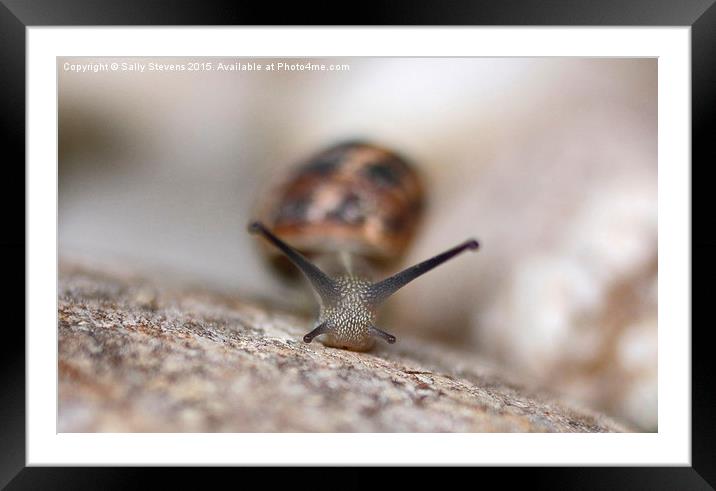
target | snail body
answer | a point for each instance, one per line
(351, 207)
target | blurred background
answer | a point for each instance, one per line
(551, 163)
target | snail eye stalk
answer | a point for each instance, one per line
(381, 290)
(322, 283)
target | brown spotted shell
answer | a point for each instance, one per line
(354, 196)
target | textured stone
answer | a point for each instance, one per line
(134, 356)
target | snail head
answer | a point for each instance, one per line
(348, 303)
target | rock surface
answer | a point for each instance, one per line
(137, 357)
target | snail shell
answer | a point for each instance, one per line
(355, 197)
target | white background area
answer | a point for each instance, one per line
(671, 445)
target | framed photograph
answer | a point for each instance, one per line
(439, 237)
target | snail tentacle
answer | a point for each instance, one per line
(374, 331)
(322, 283)
(321, 329)
(381, 290)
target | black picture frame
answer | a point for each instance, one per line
(16, 15)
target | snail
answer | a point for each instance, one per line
(351, 207)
